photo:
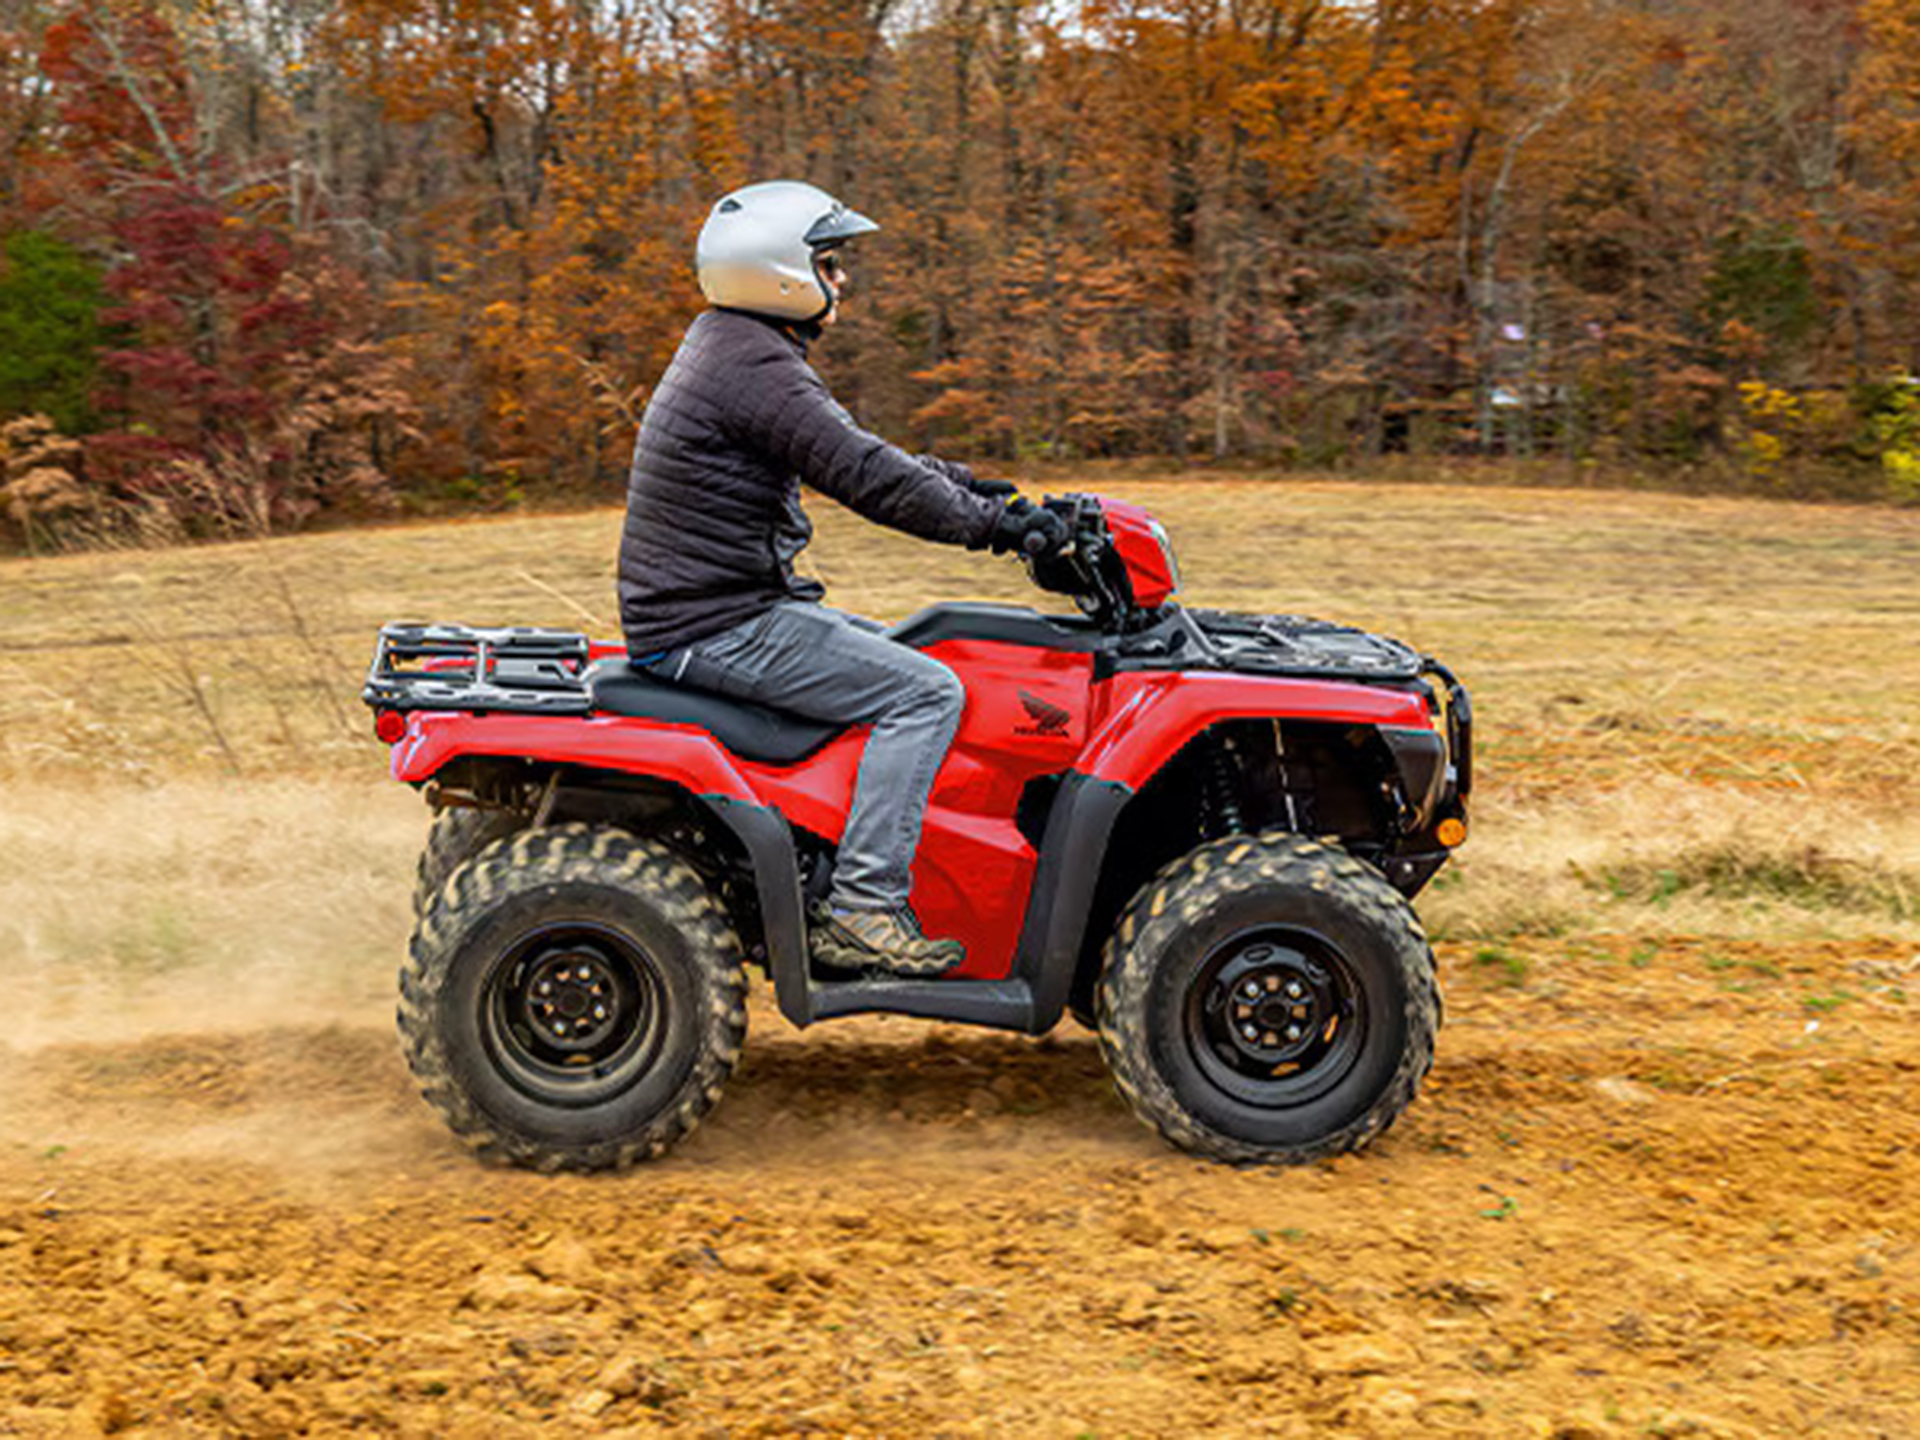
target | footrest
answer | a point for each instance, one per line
(1001, 1004)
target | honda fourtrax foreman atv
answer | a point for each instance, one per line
(1196, 832)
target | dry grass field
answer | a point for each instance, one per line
(1665, 1178)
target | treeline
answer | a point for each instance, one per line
(268, 257)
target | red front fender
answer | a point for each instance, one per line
(1149, 715)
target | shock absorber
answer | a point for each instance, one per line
(1222, 795)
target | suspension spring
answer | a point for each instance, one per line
(1223, 801)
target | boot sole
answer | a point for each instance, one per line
(856, 958)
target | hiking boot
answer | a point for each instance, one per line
(881, 940)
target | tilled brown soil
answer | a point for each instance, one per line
(1651, 1188)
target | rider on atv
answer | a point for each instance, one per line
(708, 594)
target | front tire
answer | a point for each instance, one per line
(574, 999)
(1268, 1000)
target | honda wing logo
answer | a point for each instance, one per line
(1049, 721)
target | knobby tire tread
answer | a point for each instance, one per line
(457, 834)
(526, 860)
(1181, 891)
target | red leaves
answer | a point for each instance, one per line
(1166, 224)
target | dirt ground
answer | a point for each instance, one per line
(1663, 1180)
(1665, 1188)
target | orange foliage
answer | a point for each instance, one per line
(1278, 229)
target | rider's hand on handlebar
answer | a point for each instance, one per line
(990, 489)
(964, 477)
(1027, 528)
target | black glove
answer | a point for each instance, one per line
(991, 489)
(1026, 528)
(964, 477)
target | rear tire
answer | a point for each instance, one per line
(1268, 1000)
(574, 999)
(457, 834)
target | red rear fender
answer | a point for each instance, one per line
(687, 757)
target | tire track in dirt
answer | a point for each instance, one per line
(1627, 1199)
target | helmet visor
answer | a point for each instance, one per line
(837, 225)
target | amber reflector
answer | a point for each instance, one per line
(1452, 831)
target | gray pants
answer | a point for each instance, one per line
(823, 665)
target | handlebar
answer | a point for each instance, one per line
(1086, 567)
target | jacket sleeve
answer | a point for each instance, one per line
(784, 410)
(956, 472)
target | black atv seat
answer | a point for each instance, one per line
(753, 732)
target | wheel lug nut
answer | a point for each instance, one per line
(1293, 990)
(1250, 1031)
(599, 1012)
(1293, 1032)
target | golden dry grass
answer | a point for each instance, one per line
(1663, 683)
(201, 904)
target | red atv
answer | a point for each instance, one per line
(1197, 832)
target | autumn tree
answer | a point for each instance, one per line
(236, 347)
(447, 243)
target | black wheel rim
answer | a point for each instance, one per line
(1275, 1017)
(573, 1013)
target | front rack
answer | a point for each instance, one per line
(466, 667)
(1291, 645)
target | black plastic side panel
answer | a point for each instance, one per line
(1420, 756)
(1072, 855)
(1409, 874)
(1031, 1000)
(1002, 1004)
(776, 877)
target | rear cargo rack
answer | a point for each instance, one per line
(465, 667)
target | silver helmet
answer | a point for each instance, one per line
(760, 248)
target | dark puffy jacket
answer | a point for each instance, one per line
(713, 504)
